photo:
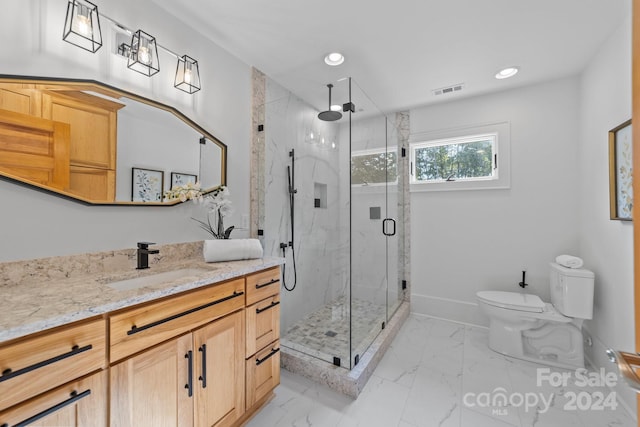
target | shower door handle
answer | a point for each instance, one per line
(385, 227)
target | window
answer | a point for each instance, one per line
(376, 166)
(454, 159)
(467, 158)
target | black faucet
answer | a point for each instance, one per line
(143, 254)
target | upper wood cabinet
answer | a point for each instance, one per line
(35, 149)
(93, 136)
(93, 123)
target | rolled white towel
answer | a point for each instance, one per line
(569, 261)
(218, 250)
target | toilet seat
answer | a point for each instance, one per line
(512, 301)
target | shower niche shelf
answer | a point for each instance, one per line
(320, 195)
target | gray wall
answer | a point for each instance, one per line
(467, 241)
(606, 245)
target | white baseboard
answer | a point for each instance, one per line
(448, 309)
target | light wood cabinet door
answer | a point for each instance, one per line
(82, 403)
(219, 395)
(154, 387)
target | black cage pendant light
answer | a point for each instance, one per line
(143, 56)
(82, 25)
(187, 75)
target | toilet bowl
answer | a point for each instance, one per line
(523, 326)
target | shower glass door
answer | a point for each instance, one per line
(374, 207)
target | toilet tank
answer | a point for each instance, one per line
(572, 291)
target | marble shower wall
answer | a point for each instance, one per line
(321, 233)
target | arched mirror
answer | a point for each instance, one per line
(97, 144)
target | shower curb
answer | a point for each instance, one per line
(342, 380)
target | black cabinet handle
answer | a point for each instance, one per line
(7, 374)
(189, 385)
(273, 351)
(74, 398)
(135, 329)
(268, 283)
(203, 377)
(273, 304)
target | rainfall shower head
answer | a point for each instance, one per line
(329, 115)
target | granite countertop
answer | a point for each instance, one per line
(36, 305)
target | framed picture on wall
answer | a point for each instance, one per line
(146, 185)
(179, 179)
(620, 191)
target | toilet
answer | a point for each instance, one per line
(523, 326)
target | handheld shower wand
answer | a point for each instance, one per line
(283, 246)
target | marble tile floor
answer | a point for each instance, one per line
(434, 374)
(325, 332)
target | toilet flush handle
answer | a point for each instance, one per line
(624, 361)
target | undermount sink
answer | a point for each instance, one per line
(156, 279)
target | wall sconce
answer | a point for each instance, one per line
(143, 56)
(82, 25)
(187, 75)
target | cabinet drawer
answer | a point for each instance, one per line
(34, 365)
(263, 324)
(80, 403)
(262, 285)
(263, 373)
(139, 328)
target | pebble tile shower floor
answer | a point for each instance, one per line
(325, 333)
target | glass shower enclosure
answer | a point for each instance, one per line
(331, 208)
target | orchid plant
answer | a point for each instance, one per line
(218, 206)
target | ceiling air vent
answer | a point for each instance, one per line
(449, 89)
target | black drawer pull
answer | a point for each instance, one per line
(7, 374)
(260, 361)
(74, 398)
(268, 283)
(135, 329)
(273, 304)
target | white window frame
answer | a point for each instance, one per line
(501, 177)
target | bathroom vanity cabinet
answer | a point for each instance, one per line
(204, 357)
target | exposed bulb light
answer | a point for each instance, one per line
(334, 59)
(82, 25)
(505, 73)
(143, 56)
(187, 75)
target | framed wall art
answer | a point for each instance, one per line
(620, 168)
(147, 185)
(180, 179)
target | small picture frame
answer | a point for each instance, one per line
(179, 179)
(620, 168)
(146, 185)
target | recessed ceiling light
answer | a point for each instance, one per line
(334, 59)
(505, 73)
(336, 107)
